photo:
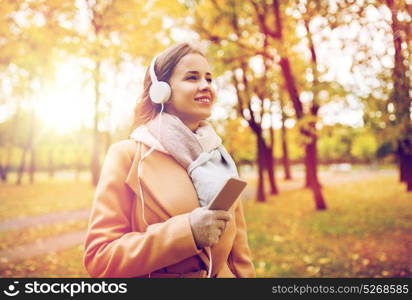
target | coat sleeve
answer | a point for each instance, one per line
(112, 249)
(240, 256)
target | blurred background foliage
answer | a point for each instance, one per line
(310, 93)
(312, 81)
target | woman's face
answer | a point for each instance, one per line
(192, 93)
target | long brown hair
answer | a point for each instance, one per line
(166, 62)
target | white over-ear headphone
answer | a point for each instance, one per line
(160, 91)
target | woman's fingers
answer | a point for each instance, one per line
(222, 215)
(221, 225)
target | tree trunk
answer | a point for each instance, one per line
(405, 158)
(402, 169)
(3, 164)
(291, 86)
(311, 164)
(319, 200)
(2, 173)
(11, 133)
(311, 148)
(285, 151)
(408, 163)
(270, 167)
(260, 192)
(22, 166)
(310, 157)
(311, 161)
(28, 147)
(6, 165)
(271, 161)
(285, 154)
(402, 163)
(95, 161)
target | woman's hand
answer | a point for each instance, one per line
(208, 225)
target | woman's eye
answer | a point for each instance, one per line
(196, 78)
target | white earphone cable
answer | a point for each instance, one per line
(209, 253)
(139, 169)
(139, 183)
(139, 165)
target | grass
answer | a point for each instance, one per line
(365, 232)
(43, 197)
(66, 263)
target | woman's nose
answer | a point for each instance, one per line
(204, 84)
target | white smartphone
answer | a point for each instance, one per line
(228, 194)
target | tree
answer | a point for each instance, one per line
(228, 25)
(118, 30)
(401, 97)
(33, 31)
(308, 124)
(252, 29)
(386, 73)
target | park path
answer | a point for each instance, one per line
(326, 177)
(64, 241)
(47, 219)
(43, 246)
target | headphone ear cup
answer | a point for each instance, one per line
(160, 92)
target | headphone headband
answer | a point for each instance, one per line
(159, 91)
(153, 76)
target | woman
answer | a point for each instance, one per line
(149, 217)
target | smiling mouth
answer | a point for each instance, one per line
(203, 100)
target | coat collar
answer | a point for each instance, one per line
(167, 182)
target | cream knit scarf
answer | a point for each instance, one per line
(201, 153)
